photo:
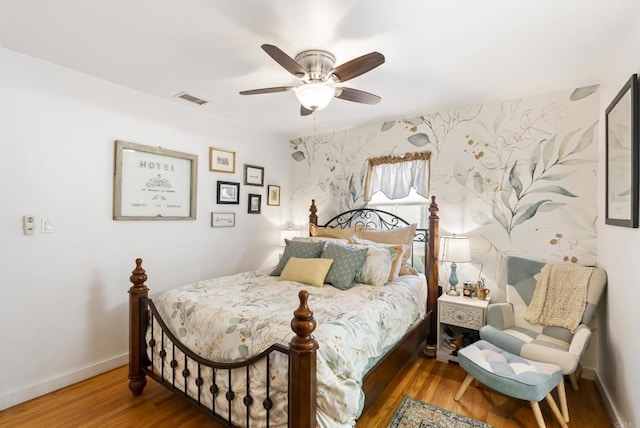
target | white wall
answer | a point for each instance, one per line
(64, 295)
(619, 247)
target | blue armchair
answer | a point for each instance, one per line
(507, 329)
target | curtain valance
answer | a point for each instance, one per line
(396, 175)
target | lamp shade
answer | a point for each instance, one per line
(315, 96)
(456, 249)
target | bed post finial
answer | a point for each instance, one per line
(138, 275)
(302, 373)
(313, 218)
(137, 378)
(433, 207)
(303, 324)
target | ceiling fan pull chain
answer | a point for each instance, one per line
(315, 137)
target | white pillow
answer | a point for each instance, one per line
(376, 269)
(401, 235)
(398, 251)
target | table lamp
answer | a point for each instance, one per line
(455, 249)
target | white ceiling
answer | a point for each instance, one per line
(438, 53)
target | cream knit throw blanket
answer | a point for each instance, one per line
(560, 296)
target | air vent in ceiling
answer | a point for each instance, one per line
(191, 98)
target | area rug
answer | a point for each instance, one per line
(413, 413)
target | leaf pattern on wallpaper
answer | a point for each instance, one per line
(568, 248)
(419, 140)
(520, 187)
(387, 126)
(344, 168)
(580, 93)
(307, 148)
(433, 129)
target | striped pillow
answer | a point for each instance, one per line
(401, 235)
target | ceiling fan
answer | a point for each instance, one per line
(320, 78)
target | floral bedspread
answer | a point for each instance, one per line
(235, 317)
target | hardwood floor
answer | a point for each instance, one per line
(105, 401)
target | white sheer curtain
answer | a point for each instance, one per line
(396, 175)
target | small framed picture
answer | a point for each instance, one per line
(223, 219)
(228, 192)
(253, 175)
(254, 203)
(273, 195)
(222, 160)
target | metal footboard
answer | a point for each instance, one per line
(206, 383)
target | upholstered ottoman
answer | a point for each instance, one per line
(513, 376)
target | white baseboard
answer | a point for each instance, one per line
(12, 398)
(589, 374)
(606, 400)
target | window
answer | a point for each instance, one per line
(414, 209)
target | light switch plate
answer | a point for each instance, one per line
(47, 225)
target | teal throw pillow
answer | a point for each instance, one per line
(346, 263)
(299, 249)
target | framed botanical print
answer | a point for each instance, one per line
(221, 160)
(253, 175)
(622, 151)
(273, 195)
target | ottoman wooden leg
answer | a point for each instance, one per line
(537, 413)
(556, 411)
(562, 396)
(463, 387)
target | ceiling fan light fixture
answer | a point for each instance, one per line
(315, 95)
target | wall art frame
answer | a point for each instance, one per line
(223, 219)
(253, 204)
(152, 183)
(253, 175)
(273, 195)
(222, 160)
(622, 121)
(228, 192)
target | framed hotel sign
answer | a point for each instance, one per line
(151, 183)
(622, 120)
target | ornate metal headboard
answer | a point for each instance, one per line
(367, 217)
(376, 219)
(386, 220)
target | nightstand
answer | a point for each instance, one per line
(459, 319)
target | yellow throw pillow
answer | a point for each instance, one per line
(307, 271)
(330, 232)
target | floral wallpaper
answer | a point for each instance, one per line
(519, 177)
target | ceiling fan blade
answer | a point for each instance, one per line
(285, 60)
(267, 90)
(358, 66)
(305, 111)
(357, 96)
